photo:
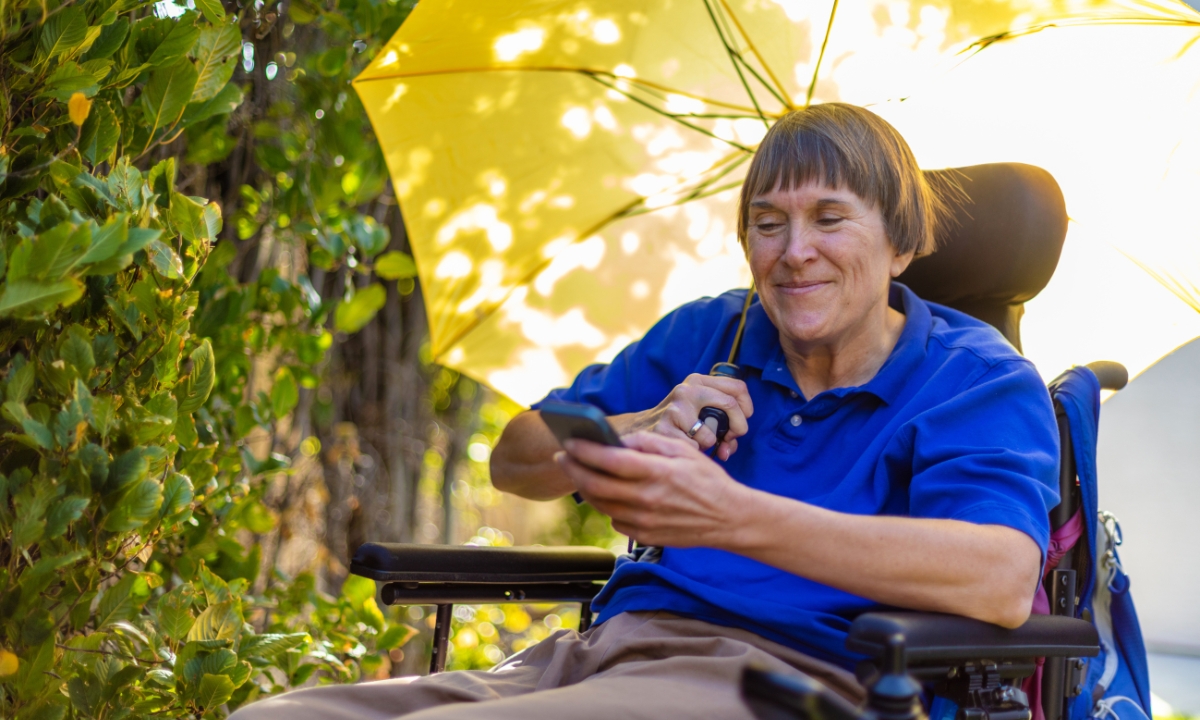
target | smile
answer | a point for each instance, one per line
(801, 288)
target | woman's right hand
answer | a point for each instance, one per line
(680, 410)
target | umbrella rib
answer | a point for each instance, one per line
(677, 118)
(733, 59)
(990, 40)
(812, 86)
(705, 188)
(555, 68)
(1168, 282)
(739, 58)
(770, 73)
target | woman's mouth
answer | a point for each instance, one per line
(801, 287)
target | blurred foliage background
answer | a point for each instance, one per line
(215, 368)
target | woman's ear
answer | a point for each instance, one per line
(900, 262)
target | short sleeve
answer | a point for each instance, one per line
(642, 374)
(990, 454)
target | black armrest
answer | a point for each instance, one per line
(933, 637)
(404, 563)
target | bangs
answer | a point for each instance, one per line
(847, 148)
(790, 160)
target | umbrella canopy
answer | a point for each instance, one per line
(568, 171)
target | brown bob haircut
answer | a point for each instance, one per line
(845, 146)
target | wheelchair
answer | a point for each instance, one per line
(1000, 251)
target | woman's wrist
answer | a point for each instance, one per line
(764, 524)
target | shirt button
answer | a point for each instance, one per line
(794, 394)
(796, 420)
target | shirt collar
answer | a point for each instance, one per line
(761, 349)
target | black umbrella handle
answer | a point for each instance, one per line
(717, 419)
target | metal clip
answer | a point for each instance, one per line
(1113, 540)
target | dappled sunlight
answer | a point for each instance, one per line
(569, 171)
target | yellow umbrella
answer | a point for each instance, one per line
(568, 171)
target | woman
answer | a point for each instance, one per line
(882, 451)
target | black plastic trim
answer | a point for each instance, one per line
(400, 562)
(933, 637)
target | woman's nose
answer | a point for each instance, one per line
(801, 247)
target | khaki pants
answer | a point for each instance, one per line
(636, 665)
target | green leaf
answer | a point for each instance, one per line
(103, 414)
(272, 644)
(358, 589)
(121, 601)
(165, 260)
(177, 496)
(20, 382)
(216, 590)
(69, 78)
(47, 569)
(213, 10)
(56, 252)
(174, 611)
(351, 316)
(76, 349)
(395, 265)
(111, 38)
(219, 621)
(107, 240)
(394, 637)
(187, 216)
(127, 469)
(223, 103)
(167, 94)
(62, 513)
(36, 429)
(284, 393)
(135, 507)
(139, 239)
(216, 51)
(177, 44)
(193, 392)
(100, 134)
(37, 627)
(29, 298)
(214, 690)
(63, 31)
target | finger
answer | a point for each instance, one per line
(659, 445)
(679, 425)
(732, 387)
(601, 490)
(624, 462)
(703, 396)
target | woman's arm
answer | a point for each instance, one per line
(670, 494)
(523, 460)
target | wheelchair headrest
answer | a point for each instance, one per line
(1001, 248)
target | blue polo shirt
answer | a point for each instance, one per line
(956, 424)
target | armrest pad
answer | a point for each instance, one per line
(399, 562)
(933, 637)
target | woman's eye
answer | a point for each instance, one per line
(768, 226)
(829, 220)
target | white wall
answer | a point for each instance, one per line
(1149, 471)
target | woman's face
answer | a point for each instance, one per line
(822, 262)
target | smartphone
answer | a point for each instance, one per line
(580, 422)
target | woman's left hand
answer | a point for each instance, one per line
(658, 490)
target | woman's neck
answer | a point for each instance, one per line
(847, 362)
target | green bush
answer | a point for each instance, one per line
(127, 493)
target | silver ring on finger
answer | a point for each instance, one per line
(691, 433)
